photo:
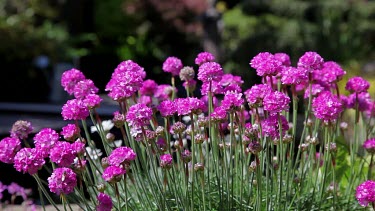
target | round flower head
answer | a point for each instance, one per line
(190, 85)
(315, 90)
(369, 145)
(149, 87)
(310, 61)
(70, 132)
(357, 84)
(327, 106)
(330, 73)
(113, 174)
(70, 78)
(8, 149)
(2, 189)
(74, 109)
(189, 105)
(45, 139)
(255, 95)
(78, 147)
(105, 202)
(219, 114)
(365, 193)
(210, 71)
(187, 73)
(172, 65)
(121, 155)
(84, 88)
(164, 92)
(92, 101)
(62, 181)
(62, 154)
(146, 100)
(293, 76)
(118, 119)
(204, 57)
(166, 161)
(275, 102)
(266, 64)
(21, 129)
(167, 108)
(363, 99)
(28, 160)
(216, 88)
(139, 115)
(283, 58)
(270, 126)
(232, 101)
(255, 147)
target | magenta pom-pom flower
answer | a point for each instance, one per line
(283, 58)
(166, 161)
(92, 101)
(139, 115)
(105, 202)
(167, 108)
(216, 88)
(74, 109)
(188, 105)
(357, 84)
(45, 139)
(21, 129)
(62, 181)
(363, 99)
(172, 65)
(219, 114)
(210, 71)
(62, 154)
(149, 87)
(293, 75)
(70, 78)
(121, 155)
(270, 126)
(164, 92)
(266, 64)
(28, 160)
(369, 145)
(70, 132)
(365, 193)
(113, 174)
(255, 95)
(330, 73)
(327, 106)
(8, 148)
(232, 101)
(316, 89)
(275, 102)
(84, 88)
(310, 61)
(204, 57)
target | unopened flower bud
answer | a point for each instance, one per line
(104, 162)
(101, 187)
(202, 122)
(287, 138)
(198, 167)
(332, 147)
(178, 127)
(308, 123)
(252, 166)
(186, 156)
(159, 131)
(187, 73)
(303, 146)
(110, 137)
(344, 125)
(199, 138)
(255, 147)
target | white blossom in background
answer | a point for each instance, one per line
(107, 126)
(94, 153)
(116, 143)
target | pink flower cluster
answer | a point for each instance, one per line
(105, 202)
(365, 193)
(62, 181)
(172, 65)
(266, 64)
(8, 148)
(139, 115)
(121, 155)
(327, 107)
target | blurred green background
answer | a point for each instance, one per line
(38, 38)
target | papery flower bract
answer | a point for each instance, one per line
(62, 154)
(172, 65)
(365, 193)
(70, 78)
(92, 101)
(275, 102)
(74, 109)
(369, 145)
(167, 108)
(45, 139)
(120, 155)
(139, 115)
(84, 88)
(232, 101)
(204, 57)
(187, 73)
(270, 126)
(105, 202)
(21, 129)
(266, 64)
(357, 84)
(113, 174)
(283, 58)
(293, 76)
(210, 71)
(166, 161)
(255, 95)
(70, 132)
(62, 181)
(310, 61)
(28, 160)
(8, 148)
(149, 87)
(327, 106)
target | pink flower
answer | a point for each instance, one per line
(357, 84)
(365, 193)
(310, 61)
(255, 95)
(146, 100)
(2, 189)
(363, 99)
(167, 108)
(210, 71)
(369, 145)
(231, 82)
(118, 119)
(45, 139)
(70, 78)
(21, 129)
(172, 65)
(330, 73)
(78, 147)
(216, 88)
(185, 106)
(70, 132)
(316, 89)
(105, 202)
(28, 160)
(232, 101)
(113, 174)
(164, 92)
(139, 115)
(219, 114)
(270, 126)
(149, 87)
(84, 88)
(293, 76)
(62, 181)
(166, 161)
(204, 57)
(266, 64)
(74, 110)
(8, 149)
(92, 101)
(275, 102)
(283, 58)
(121, 155)
(327, 106)
(62, 154)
